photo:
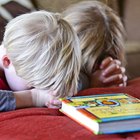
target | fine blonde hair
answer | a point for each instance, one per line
(44, 50)
(100, 31)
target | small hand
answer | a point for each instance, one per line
(46, 98)
(111, 73)
(54, 104)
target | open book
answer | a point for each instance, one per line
(104, 113)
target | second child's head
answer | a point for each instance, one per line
(44, 51)
(100, 31)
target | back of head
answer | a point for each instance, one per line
(100, 31)
(44, 50)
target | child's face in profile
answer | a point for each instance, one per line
(14, 81)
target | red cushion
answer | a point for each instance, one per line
(3, 85)
(50, 124)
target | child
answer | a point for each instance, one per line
(101, 35)
(41, 50)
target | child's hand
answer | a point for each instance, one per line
(54, 104)
(46, 98)
(111, 73)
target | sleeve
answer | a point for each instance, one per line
(7, 101)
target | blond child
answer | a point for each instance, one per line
(101, 35)
(41, 50)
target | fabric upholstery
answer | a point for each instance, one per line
(3, 85)
(51, 124)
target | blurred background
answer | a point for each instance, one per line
(129, 11)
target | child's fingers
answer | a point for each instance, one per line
(113, 79)
(113, 69)
(106, 62)
(116, 79)
(124, 82)
(116, 61)
(54, 104)
(109, 61)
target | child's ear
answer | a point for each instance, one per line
(5, 61)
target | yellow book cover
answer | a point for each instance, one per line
(104, 113)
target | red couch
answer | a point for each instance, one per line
(50, 124)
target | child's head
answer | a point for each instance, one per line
(100, 31)
(44, 50)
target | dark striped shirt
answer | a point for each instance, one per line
(7, 101)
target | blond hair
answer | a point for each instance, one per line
(44, 50)
(100, 31)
